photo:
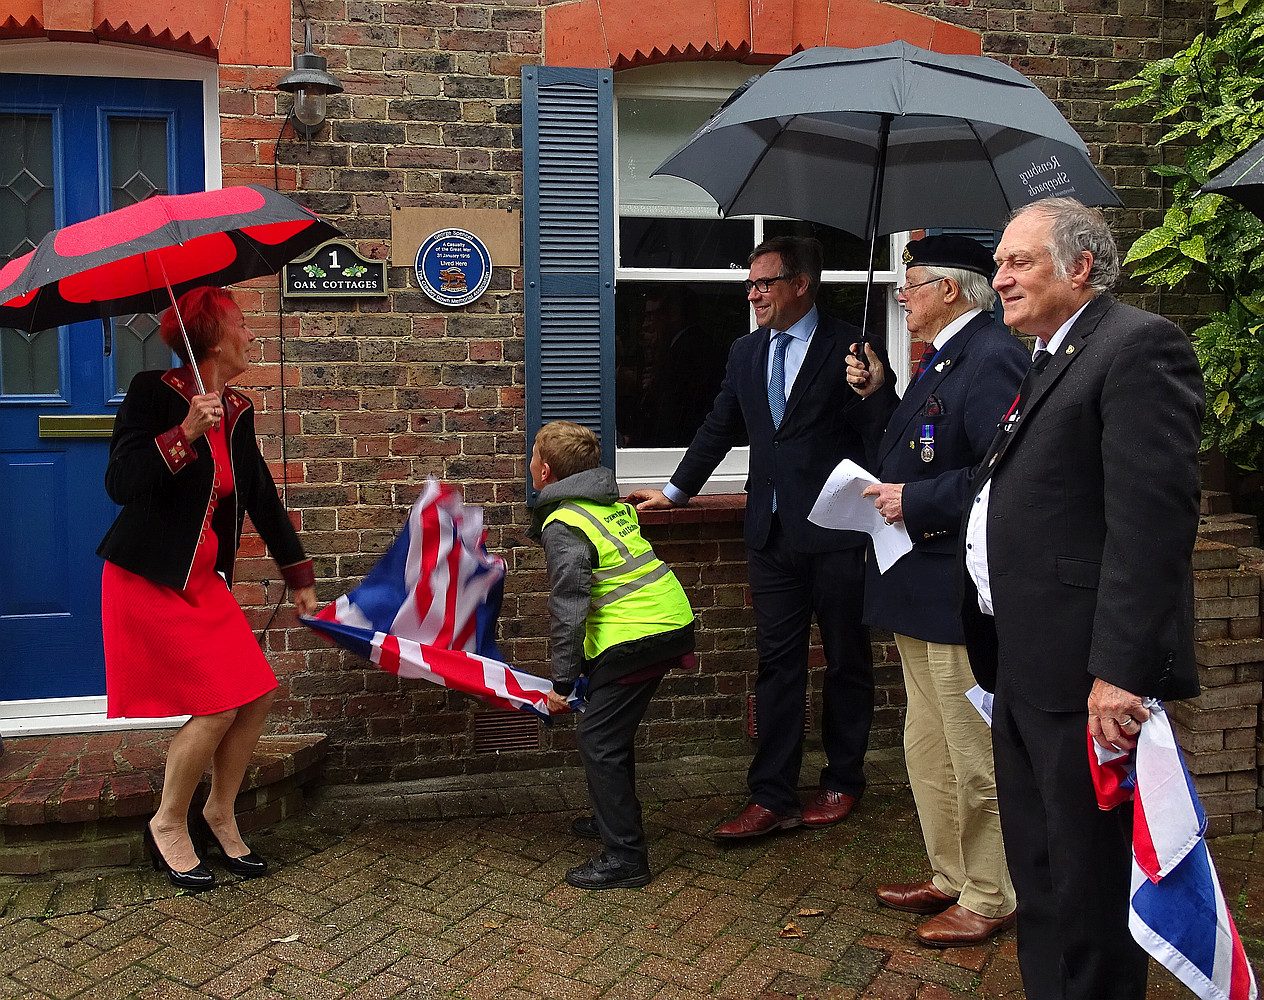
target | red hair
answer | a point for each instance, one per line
(204, 311)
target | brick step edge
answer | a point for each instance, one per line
(126, 794)
(55, 847)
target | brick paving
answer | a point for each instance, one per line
(455, 888)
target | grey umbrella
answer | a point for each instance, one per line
(888, 138)
(1242, 180)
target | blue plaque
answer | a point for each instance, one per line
(453, 267)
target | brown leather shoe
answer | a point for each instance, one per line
(755, 821)
(958, 927)
(915, 897)
(826, 808)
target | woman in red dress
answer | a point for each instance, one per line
(186, 468)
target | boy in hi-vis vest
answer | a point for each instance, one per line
(618, 616)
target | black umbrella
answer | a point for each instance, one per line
(888, 138)
(1242, 180)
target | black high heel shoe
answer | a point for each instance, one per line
(247, 866)
(197, 879)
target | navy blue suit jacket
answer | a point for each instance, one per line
(821, 427)
(974, 381)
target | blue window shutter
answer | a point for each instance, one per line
(569, 234)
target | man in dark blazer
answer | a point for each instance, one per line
(785, 385)
(1078, 549)
(927, 451)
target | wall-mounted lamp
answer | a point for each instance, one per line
(309, 82)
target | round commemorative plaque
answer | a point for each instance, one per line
(453, 267)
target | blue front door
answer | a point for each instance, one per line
(72, 148)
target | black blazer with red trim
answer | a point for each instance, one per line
(164, 483)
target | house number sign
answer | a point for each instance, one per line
(335, 270)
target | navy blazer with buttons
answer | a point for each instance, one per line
(822, 426)
(974, 379)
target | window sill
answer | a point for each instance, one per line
(715, 508)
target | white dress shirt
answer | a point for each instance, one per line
(796, 350)
(976, 526)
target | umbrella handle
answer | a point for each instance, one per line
(197, 375)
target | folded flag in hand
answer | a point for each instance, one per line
(428, 609)
(1177, 911)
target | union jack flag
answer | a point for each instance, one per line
(1177, 910)
(428, 609)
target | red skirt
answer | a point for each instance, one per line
(180, 652)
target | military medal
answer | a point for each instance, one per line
(928, 442)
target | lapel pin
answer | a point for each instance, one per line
(1070, 349)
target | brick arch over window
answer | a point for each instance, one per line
(620, 34)
(236, 32)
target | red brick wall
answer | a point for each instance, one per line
(381, 393)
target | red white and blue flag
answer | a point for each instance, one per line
(1177, 911)
(428, 609)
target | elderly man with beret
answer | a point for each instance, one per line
(924, 450)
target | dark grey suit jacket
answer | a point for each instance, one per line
(820, 428)
(1092, 518)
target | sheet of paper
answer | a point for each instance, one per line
(841, 506)
(982, 701)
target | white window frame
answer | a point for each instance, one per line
(652, 467)
(41, 57)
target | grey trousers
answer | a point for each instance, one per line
(606, 734)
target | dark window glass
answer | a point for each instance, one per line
(29, 362)
(685, 243)
(672, 342)
(843, 251)
(844, 301)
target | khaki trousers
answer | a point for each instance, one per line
(948, 751)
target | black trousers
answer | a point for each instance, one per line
(1070, 861)
(788, 589)
(606, 734)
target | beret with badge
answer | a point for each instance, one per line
(950, 251)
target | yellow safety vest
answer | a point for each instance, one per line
(634, 593)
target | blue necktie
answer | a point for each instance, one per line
(777, 380)
(777, 388)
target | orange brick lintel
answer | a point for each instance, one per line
(621, 34)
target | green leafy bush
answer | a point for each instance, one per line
(1211, 98)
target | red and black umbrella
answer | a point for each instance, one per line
(139, 258)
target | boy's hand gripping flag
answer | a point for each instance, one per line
(428, 609)
(1177, 911)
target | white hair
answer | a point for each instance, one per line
(975, 288)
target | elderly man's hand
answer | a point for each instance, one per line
(888, 499)
(865, 380)
(1114, 716)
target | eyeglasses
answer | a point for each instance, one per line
(905, 289)
(762, 285)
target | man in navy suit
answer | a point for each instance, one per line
(1079, 542)
(928, 446)
(785, 385)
